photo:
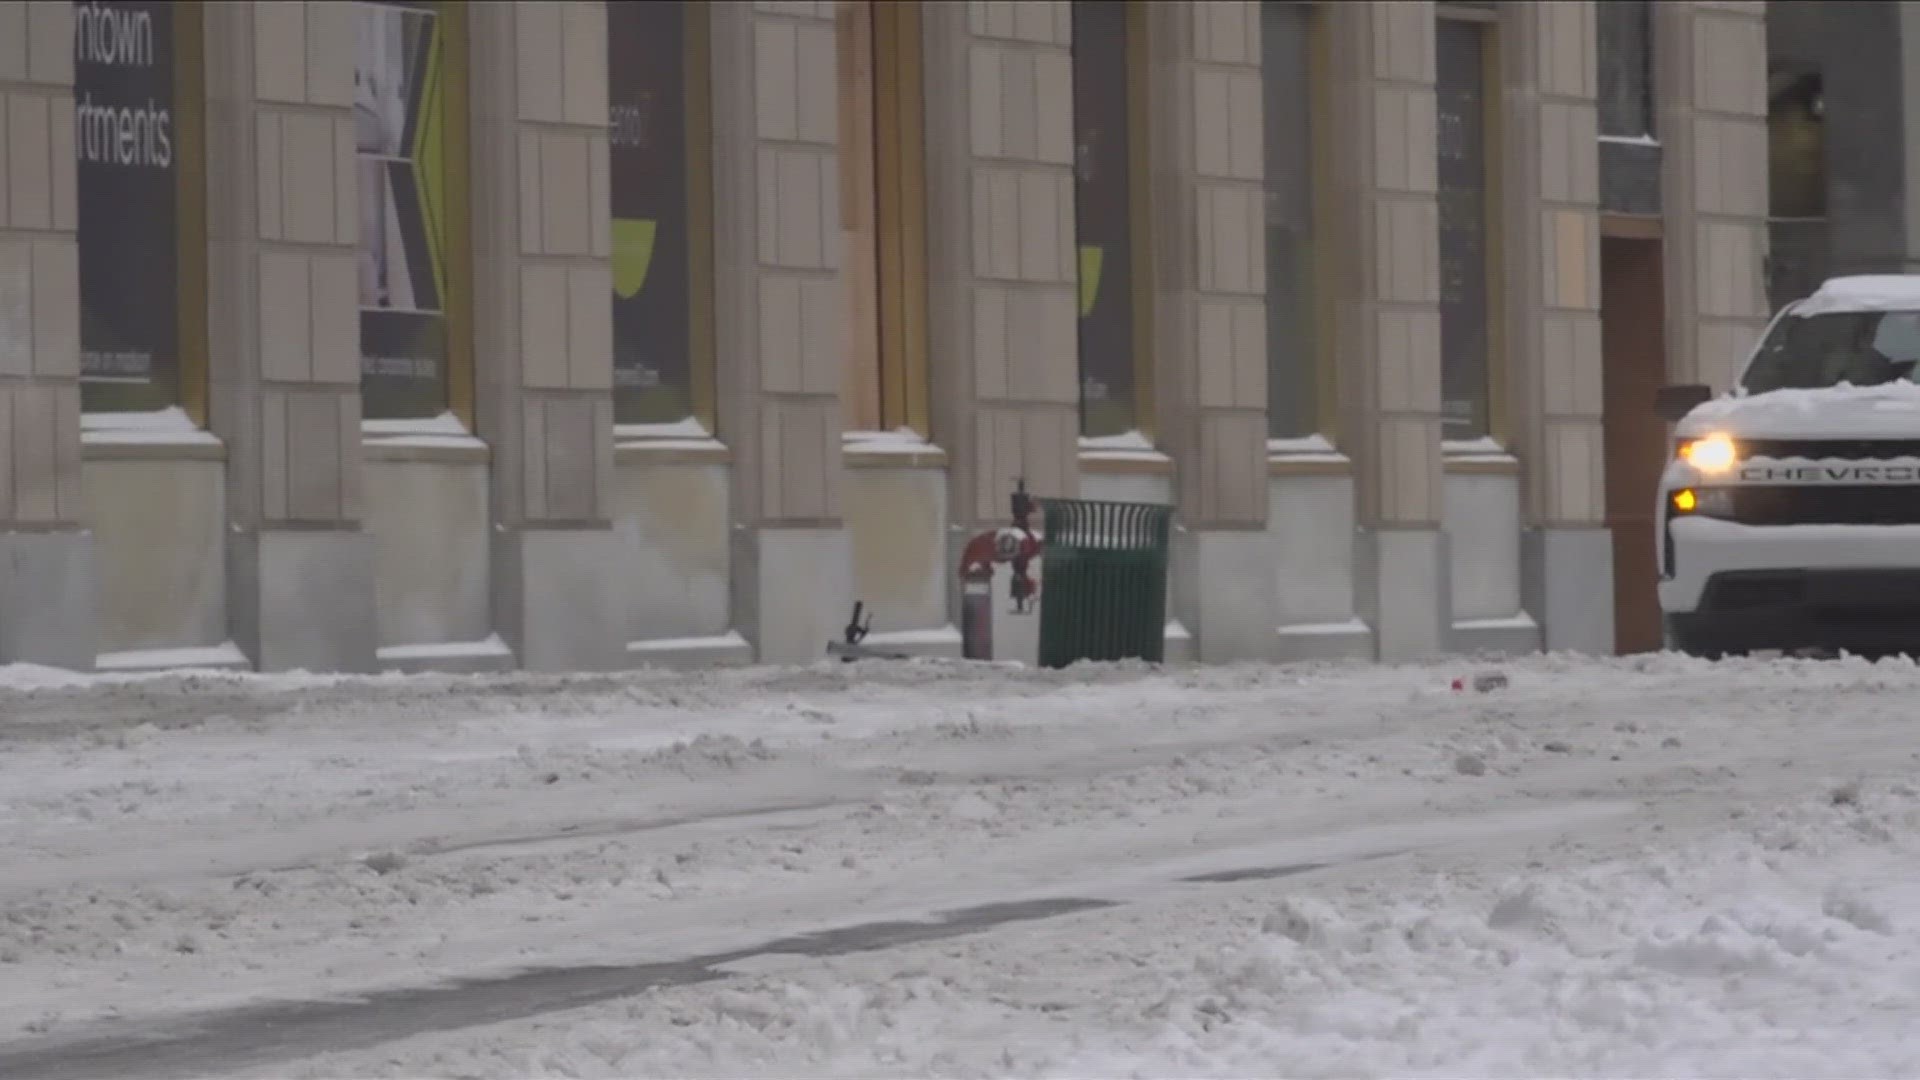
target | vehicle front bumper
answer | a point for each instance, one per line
(1741, 587)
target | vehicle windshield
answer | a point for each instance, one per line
(1858, 348)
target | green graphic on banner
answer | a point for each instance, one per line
(632, 255)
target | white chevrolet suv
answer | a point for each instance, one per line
(1789, 514)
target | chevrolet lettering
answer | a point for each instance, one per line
(1830, 474)
(1788, 516)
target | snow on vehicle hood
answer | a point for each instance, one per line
(1891, 411)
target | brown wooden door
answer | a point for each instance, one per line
(1634, 365)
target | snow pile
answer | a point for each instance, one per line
(1568, 864)
(1784, 947)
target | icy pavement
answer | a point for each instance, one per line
(1624, 868)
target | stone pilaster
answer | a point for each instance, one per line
(1550, 191)
(1210, 316)
(1002, 346)
(46, 560)
(283, 342)
(1382, 234)
(543, 341)
(1711, 78)
(778, 342)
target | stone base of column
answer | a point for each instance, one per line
(1403, 590)
(1224, 591)
(557, 598)
(1566, 581)
(792, 591)
(47, 599)
(301, 599)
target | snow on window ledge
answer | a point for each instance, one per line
(445, 430)
(899, 440)
(901, 446)
(687, 434)
(1127, 446)
(1309, 448)
(166, 427)
(1485, 447)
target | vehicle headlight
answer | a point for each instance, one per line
(1713, 454)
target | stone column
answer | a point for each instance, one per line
(1711, 78)
(283, 332)
(1003, 346)
(779, 339)
(46, 553)
(1383, 238)
(1210, 317)
(1550, 188)
(543, 327)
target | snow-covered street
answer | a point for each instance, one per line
(1622, 868)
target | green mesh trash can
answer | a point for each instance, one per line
(1103, 581)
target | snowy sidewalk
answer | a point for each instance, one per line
(176, 847)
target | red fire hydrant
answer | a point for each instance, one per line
(1016, 545)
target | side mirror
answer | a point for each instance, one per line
(1673, 403)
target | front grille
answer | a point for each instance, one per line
(1821, 505)
(1830, 449)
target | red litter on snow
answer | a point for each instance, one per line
(1484, 682)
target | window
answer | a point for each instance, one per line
(1797, 180)
(1468, 320)
(1108, 207)
(139, 174)
(883, 216)
(1629, 153)
(1624, 32)
(1859, 348)
(659, 159)
(1286, 72)
(409, 113)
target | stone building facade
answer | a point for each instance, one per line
(575, 335)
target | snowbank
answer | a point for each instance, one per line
(180, 845)
(1785, 947)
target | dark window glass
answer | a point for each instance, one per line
(400, 124)
(136, 179)
(1799, 240)
(1103, 217)
(1286, 77)
(1465, 333)
(1625, 35)
(647, 161)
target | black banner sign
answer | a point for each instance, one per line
(127, 172)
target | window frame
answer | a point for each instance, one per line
(890, 201)
(1326, 387)
(457, 228)
(1136, 94)
(1648, 120)
(192, 316)
(696, 37)
(1486, 22)
(1140, 206)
